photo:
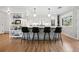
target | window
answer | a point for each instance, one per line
(67, 21)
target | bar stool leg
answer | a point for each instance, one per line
(44, 36)
(49, 36)
(22, 38)
(21, 41)
(38, 37)
(61, 39)
(24, 35)
(54, 37)
(33, 36)
(58, 36)
(27, 36)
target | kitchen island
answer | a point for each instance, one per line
(18, 32)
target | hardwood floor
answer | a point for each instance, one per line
(15, 45)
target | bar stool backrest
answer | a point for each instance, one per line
(58, 30)
(25, 29)
(35, 29)
(47, 29)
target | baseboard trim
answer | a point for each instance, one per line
(69, 36)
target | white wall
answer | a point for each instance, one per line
(78, 24)
(4, 25)
(71, 31)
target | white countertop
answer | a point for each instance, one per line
(40, 26)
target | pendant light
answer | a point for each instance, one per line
(8, 10)
(34, 15)
(49, 12)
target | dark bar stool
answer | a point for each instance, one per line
(25, 30)
(57, 32)
(35, 30)
(47, 30)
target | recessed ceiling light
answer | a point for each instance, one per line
(48, 8)
(59, 7)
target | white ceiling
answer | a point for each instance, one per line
(40, 10)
